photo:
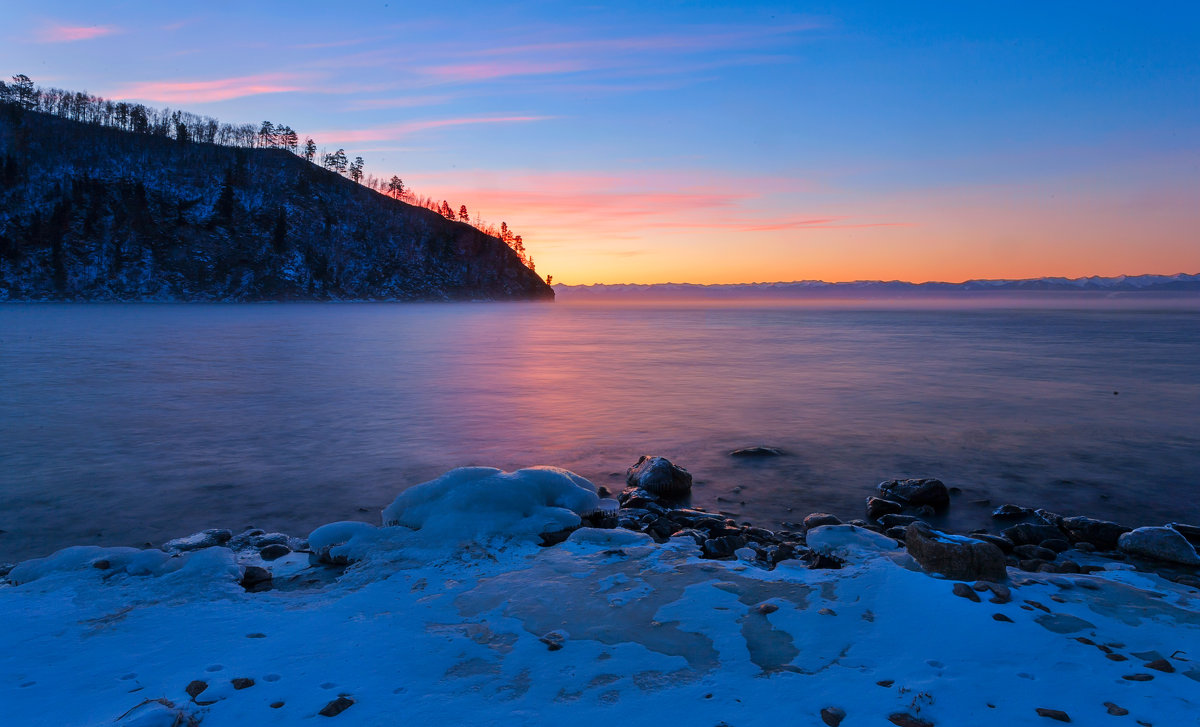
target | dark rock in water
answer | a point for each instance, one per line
(817, 519)
(899, 532)
(659, 476)
(833, 716)
(602, 491)
(1011, 512)
(1031, 533)
(1163, 544)
(1029, 552)
(203, 539)
(924, 491)
(662, 528)
(1190, 532)
(904, 719)
(1004, 544)
(1058, 545)
(925, 511)
(1057, 714)
(962, 590)
(637, 498)
(891, 520)
(757, 452)
(878, 506)
(1115, 710)
(1050, 518)
(256, 579)
(1102, 534)
(956, 557)
(274, 552)
(336, 707)
(6, 568)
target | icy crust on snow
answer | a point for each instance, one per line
(605, 627)
(470, 502)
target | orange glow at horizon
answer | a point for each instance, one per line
(668, 227)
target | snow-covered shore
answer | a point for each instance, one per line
(457, 614)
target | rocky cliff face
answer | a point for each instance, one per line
(92, 213)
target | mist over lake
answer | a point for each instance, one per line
(127, 424)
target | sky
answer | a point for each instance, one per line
(635, 142)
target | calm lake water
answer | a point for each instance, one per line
(126, 424)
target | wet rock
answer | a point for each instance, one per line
(892, 520)
(722, 547)
(659, 476)
(1031, 533)
(1057, 714)
(256, 579)
(274, 551)
(1102, 534)
(757, 451)
(196, 541)
(1050, 518)
(956, 557)
(1115, 710)
(1083, 547)
(242, 683)
(1032, 566)
(336, 707)
(766, 608)
(762, 535)
(962, 590)
(1004, 544)
(833, 716)
(637, 499)
(1001, 617)
(265, 539)
(1163, 544)
(877, 507)
(925, 511)
(915, 492)
(904, 719)
(1028, 552)
(1058, 545)
(1011, 512)
(899, 532)
(817, 519)
(1067, 566)
(1190, 532)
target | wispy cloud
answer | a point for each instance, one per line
(72, 33)
(402, 102)
(408, 128)
(221, 89)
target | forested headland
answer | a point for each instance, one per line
(104, 200)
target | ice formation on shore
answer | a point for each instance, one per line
(445, 619)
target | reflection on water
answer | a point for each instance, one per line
(126, 424)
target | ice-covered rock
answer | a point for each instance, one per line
(954, 556)
(848, 542)
(659, 476)
(342, 542)
(923, 491)
(197, 541)
(1159, 543)
(470, 503)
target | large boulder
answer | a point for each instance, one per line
(1159, 544)
(924, 491)
(878, 507)
(1101, 533)
(659, 476)
(954, 556)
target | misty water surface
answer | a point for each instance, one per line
(127, 424)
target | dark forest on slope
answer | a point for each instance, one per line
(95, 213)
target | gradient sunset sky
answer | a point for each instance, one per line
(710, 142)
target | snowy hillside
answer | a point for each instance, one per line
(94, 213)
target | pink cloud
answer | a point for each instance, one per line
(72, 33)
(397, 131)
(185, 92)
(488, 71)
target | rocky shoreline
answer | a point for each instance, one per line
(1027, 539)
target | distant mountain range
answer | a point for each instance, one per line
(1181, 285)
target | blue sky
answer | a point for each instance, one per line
(647, 142)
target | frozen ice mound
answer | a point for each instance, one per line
(210, 564)
(470, 503)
